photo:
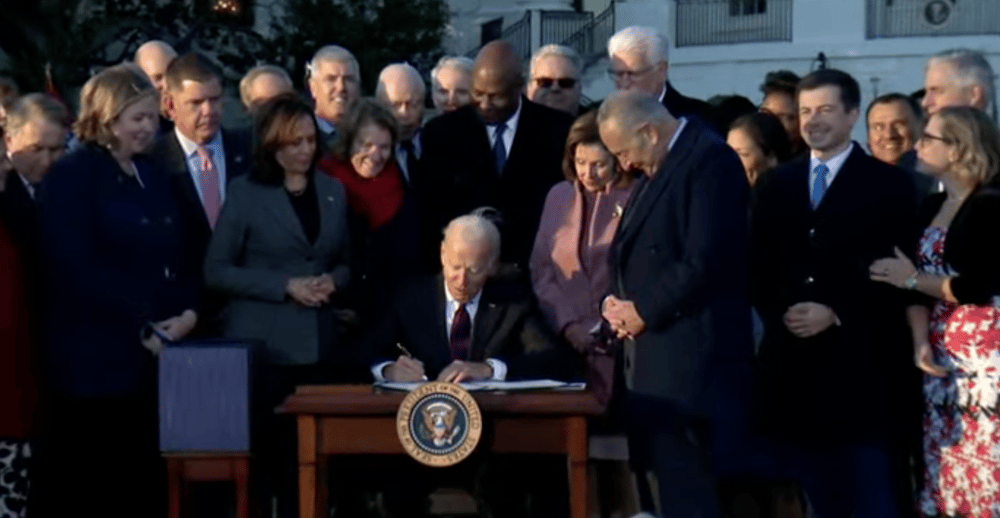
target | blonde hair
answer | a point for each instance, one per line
(976, 141)
(104, 97)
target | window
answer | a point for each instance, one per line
(747, 7)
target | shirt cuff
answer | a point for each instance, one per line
(499, 369)
(377, 371)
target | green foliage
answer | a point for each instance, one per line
(378, 32)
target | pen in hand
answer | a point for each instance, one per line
(408, 355)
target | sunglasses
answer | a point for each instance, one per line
(563, 82)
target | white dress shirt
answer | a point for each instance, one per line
(833, 164)
(450, 307)
(27, 186)
(218, 154)
(508, 134)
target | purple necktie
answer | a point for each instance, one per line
(461, 334)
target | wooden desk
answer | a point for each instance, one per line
(355, 419)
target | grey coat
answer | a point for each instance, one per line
(257, 246)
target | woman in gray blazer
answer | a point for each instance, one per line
(279, 254)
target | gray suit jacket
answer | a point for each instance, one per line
(257, 246)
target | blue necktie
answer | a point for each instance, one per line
(499, 148)
(818, 186)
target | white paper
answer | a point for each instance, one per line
(473, 386)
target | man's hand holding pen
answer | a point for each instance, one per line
(406, 368)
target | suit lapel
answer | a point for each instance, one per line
(176, 163)
(653, 188)
(436, 316)
(235, 160)
(842, 183)
(327, 211)
(279, 204)
(522, 134)
(488, 317)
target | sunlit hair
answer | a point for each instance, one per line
(364, 112)
(653, 45)
(275, 123)
(412, 74)
(968, 68)
(583, 131)
(247, 82)
(460, 63)
(104, 97)
(561, 51)
(629, 109)
(32, 106)
(334, 53)
(475, 229)
(976, 141)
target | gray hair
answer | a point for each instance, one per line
(630, 108)
(411, 73)
(460, 63)
(473, 228)
(159, 45)
(969, 68)
(556, 50)
(334, 53)
(34, 106)
(653, 45)
(247, 82)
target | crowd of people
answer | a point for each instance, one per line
(767, 311)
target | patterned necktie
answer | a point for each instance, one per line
(499, 148)
(818, 186)
(461, 334)
(209, 179)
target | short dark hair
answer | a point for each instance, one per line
(780, 82)
(850, 92)
(908, 101)
(190, 67)
(728, 108)
(274, 123)
(767, 132)
(365, 111)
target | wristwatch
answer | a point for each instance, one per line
(911, 283)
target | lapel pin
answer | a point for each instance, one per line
(619, 210)
(329, 198)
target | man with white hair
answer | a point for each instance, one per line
(334, 81)
(639, 62)
(679, 293)
(958, 77)
(153, 57)
(263, 83)
(554, 78)
(401, 89)
(462, 324)
(451, 79)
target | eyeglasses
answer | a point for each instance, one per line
(564, 82)
(927, 136)
(618, 75)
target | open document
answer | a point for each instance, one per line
(492, 385)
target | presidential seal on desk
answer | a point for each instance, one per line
(439, 424)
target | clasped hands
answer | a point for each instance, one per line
(808, 319)
(174, 327)
(407, 370)
(623, 317)
(311, 291)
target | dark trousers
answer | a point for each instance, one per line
(859, 479)
(676, 448)
(101, 458)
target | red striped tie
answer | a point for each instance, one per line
(209, 179)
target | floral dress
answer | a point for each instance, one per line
(961, 420)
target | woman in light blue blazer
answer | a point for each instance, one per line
(279, 255)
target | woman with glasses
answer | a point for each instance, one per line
(956, 336)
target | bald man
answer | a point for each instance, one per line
(153, 57)
(401, 89)
(502, 151)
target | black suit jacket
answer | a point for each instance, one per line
(680, 254)
(680, 106)
(167, 152)
(20, 216)
(507, 327)
(848, 381)
(459, 172)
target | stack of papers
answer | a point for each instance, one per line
(472, 386)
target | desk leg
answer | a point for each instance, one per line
(307, 466)
(241, 479)
(175, 467)
(577, 466)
